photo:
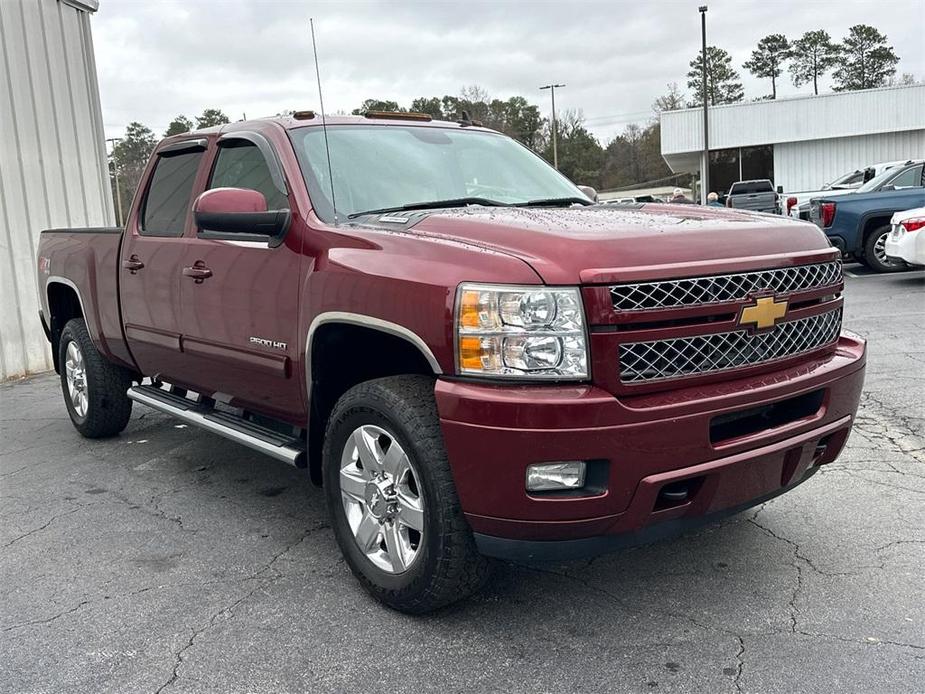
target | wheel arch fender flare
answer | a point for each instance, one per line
(313, 435)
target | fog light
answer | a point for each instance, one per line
(547, 477)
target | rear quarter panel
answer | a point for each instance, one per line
(87, 261)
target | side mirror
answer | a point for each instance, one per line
(888, 187)
(589, 191)
(238, 211)
(780, 190)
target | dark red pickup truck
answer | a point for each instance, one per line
(470, 356)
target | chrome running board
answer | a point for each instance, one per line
(289, 449)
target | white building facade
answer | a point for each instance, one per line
(53, 169)
(799, 143)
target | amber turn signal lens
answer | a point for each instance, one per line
(469, 309)
(470, 352)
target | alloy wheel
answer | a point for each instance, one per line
(880, 251)
(382, 498)
(76, 376)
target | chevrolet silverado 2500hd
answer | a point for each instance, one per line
(472, 358)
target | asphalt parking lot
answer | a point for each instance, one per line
(170, 560)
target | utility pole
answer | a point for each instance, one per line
(115, 172)
(555, 128)
(705, 164)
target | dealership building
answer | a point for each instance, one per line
(799, 143)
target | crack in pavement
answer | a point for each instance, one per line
(47, 523)
(872, 642)
(870, 424)
(740, 664)
(47, 620)
(229, 609)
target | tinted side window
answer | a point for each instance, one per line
(908, 178)
(169, 194)
(240, 164)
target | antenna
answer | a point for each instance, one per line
(324, 125)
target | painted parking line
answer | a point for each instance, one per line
(884, 275)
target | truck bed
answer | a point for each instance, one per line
(85, 260)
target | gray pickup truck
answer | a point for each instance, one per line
(758, 195)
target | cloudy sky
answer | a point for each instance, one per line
(160, 58)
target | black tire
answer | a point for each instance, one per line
(447, 566)
(871, 257)
(108, 408)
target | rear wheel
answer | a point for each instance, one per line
(392, 499)
(94, 389)
(875, 256)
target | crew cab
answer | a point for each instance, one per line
(859, 224)
(472, 358)
(758, 195)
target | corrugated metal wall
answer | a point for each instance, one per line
(808, 165)
(52, 157)
(842, 114)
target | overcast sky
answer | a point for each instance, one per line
(158, 59)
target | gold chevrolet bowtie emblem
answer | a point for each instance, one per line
(765, 313)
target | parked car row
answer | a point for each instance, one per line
(859, 224)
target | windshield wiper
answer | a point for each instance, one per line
(433, 205)
(553, 202)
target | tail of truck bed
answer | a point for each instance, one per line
(78, 276)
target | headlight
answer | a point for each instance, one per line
(521, 332)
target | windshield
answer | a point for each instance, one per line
(751, 187)
(379, 167)
(847, 179)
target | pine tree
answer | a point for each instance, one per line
(811, 56)
(767, 59)
(865, 60)
(211, 117)
(180, 124)
(723, 85)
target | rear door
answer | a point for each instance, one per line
(240, 324)
(154, 246)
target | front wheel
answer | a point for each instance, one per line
(94, 389)
(875, 256)
(392, 500)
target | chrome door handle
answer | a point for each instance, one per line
(132, 264)
(198, 272)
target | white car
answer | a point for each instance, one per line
(907, 239)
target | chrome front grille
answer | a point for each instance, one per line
(642, 362)
(696, 291)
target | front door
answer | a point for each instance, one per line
(240, 297)
(152, 250)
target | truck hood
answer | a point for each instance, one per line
(611, 243)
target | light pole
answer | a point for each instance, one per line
(705, 165)
(115, 173)
(555, 129)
